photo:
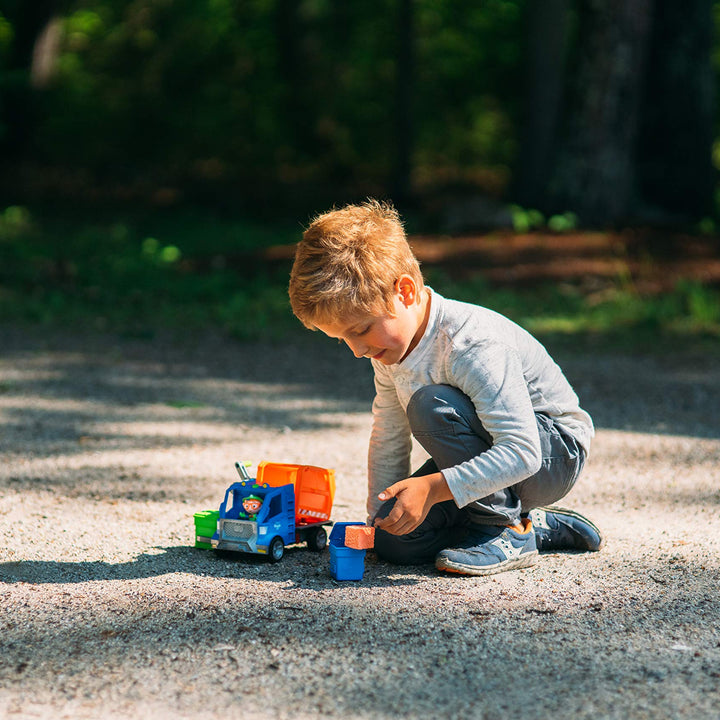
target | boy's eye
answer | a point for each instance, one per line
(363, 331)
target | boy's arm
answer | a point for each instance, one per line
(390, 442)
(493, 379)
(491, 375)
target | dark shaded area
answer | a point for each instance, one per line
(303, 567)
(665, 395)
(273, 388)
(603, 108)
(679, 101)
(408, 646)
(232, 385)
(279, 387)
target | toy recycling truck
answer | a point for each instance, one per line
(285, 504)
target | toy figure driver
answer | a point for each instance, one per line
(251, 504)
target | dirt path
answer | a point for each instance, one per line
(107, 447)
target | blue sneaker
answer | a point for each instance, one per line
(560, 529)
(488, 550)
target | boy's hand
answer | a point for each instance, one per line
(413, 499)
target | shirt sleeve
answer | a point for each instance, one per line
(491, 375)
(390, 441)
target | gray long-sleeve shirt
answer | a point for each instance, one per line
(508, 375)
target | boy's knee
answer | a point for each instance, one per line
(434, 405)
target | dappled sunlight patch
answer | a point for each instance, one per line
(156, 432)
(653, 473)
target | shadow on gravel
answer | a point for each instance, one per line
(111, 483)
(132, 372)
(300, 567)
(662, 395)
(59, 388)
(404, 659)
(136, 395)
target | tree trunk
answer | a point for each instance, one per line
(675, 173)
(546, 40)
(404, 81)
(293, 71)
(19, 99)
(595, 173)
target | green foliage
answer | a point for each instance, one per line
(215, 90)
(261, 310)
(162, 255)
(524, 220)
(563, 223)
(191, 272)
(707, 226)
(699, 305)
(14, 221)
(469, 79)
(618, 315)
(203, 95)
(6, 36)
(188, 270)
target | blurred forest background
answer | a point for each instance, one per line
(159, 157)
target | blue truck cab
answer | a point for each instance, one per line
(269, 530)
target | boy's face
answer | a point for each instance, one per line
(386, 338)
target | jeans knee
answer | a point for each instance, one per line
(444, 420)
(432, 407)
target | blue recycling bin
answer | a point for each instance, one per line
(345, 563)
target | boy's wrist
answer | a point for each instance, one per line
(439, 489)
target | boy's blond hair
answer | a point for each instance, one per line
(348, 262)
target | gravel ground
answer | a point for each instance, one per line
(109, 446)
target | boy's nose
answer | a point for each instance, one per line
(358, 349)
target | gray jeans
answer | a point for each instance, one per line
(443, 420)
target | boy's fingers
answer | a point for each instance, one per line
(392, 491)
(390, 522)
(390, 519)
(399, 527)
(397, 522)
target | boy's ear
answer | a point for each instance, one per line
(407, 290)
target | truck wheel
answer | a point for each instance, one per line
(277, 550)
(317, 540)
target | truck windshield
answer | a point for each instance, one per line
(275, 507)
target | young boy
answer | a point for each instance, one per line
(501, 424)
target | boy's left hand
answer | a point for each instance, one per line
(413, 499)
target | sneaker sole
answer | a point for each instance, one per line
(577, 516)
(525, 560)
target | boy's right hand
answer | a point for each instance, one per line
(413, 499)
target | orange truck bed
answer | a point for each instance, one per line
(314, 488)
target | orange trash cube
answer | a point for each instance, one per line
(360, 537)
